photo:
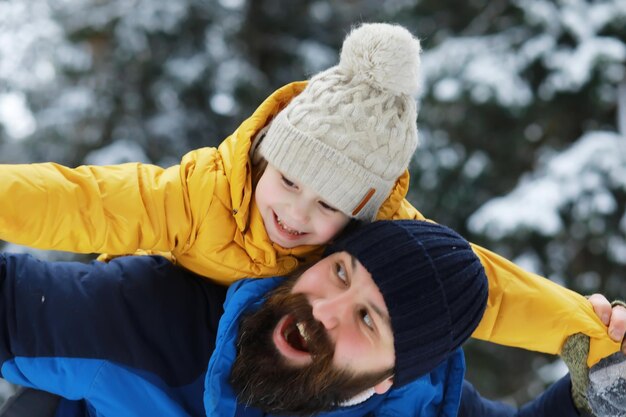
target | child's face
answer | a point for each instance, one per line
(293, 214)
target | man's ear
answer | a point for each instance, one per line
(383, 386)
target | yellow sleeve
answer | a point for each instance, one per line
(115, 209)
(531, 312)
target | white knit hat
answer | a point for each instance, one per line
(352, 131)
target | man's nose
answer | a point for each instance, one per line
(331, 311)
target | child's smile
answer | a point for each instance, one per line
(282, 226)
(293, 214)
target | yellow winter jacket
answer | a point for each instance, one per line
(202, 211)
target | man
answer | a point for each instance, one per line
(345, 338)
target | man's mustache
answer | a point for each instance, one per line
(303, 324)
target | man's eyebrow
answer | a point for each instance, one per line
(353, 260)
(380, 313)
(374, 307)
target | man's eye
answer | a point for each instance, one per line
(288, 183)
(367, 319)
(340, 270)
(327, 207)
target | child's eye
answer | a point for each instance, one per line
(367, 319)
(327, 207)
(288, 183)
(340, 271)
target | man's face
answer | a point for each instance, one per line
(316, 342)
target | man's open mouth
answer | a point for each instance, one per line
(297, 337)
(291, 339)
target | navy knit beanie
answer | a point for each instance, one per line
(433, 284)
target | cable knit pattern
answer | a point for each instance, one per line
(353, 129)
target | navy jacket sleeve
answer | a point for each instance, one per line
(555, 401)
(61, 322)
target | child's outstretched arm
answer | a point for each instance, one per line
(528, 311)
(114, 209)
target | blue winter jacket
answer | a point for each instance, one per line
(141, 337)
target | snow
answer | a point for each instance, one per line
(228, 72)
(581, 175)
(69, 107)
(321, 11)
(529, 261)
(15, 116)
(588, 281)
(118, 152)
(187, 70)
(232, 4)
(316, 56)
(214, 43)
(475, 164)
(492, 67)
(150, 15)
(28, 38)
(75, 57)
(621, 106)
(617, 249)
(447, 89)
(223, 104)
(572, 68)
(533, 132)
(169, 123)
(486, 66)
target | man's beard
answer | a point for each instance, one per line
(261, 377)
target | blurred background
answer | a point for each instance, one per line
(522, 114)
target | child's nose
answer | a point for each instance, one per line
(300, 211)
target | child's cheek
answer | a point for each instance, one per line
(333, 226)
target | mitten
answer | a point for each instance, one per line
(601, 390)
(574, 354)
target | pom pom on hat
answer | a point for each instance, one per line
(352, 132)
(386, 56)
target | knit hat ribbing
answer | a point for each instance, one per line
(352, 131)
(433, 284)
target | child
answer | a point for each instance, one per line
(320, 153)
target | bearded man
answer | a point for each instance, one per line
(374, 328)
